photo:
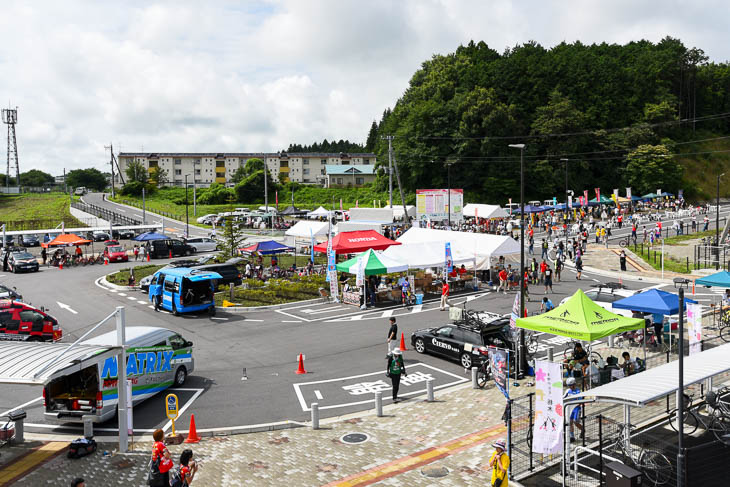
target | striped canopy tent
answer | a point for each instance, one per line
(375, 264)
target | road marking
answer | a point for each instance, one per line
(291, 321)
(291, 315)
(387, 313)
(305, 408)
(119, 209)
(66, 307)
(419, 459)
(318, 395)
(26, 463)
(122, 294)
(417, 308)
(22, 406)
(132, 298)
(141, 302)
(222, 319)
(249, 319)
(320, 311)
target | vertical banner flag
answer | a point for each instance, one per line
(311, 251)
(680, 195)
(570, 202)
(628, 193)
(547, 432)
(615, 194)
(498, 361)
(515, 312)
(341, 204)
(331, 258)
(659, 192)
(585, 197)
(360, 276)
(130, 416)
(333, 285)
(598, 194)
(510, 206)
(277, 203)
(449, 261)
(694, 331)
(555, 201)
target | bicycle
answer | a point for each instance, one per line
(724, 324)
(531, 342)
(718, 422)
(655, 466)
(570, 348)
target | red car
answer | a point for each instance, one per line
(21, 322)
(116, 253)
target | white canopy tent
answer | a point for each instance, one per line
(485, 211)
(318, 213)
(423, 255)
(481, 246)
(398, 211)
(305, 229)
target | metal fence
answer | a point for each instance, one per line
(105, 214)
(709, 256)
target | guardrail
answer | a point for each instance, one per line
(105, 214)
(166, 214)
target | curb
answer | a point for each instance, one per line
(242, 309)
(115, 287)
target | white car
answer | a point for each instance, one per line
(207, 218)
(605, 297)
(202, 244)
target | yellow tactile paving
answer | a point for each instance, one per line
(30, 461)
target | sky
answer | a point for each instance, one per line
(220, 76)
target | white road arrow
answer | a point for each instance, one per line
(66, 307)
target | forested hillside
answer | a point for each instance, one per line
(619, 113)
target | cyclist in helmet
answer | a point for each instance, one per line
(575, 413)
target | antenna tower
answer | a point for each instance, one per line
(10, 118)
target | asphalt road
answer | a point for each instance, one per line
(344, 348)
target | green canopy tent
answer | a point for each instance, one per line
(375, 264)
(603, 201)
(581, 319)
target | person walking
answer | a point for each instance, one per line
(188, 467)
(136, 252)
(578, 268)
(575, 413)
(5, 260)
(543, 268)
(44, 255)
(392, 334)
(548, 279)
(394, 369)
(500, 464)
(161, 457)
(503, 276)
(622, 260)
(544, 249)
(558, 268)
(445, 295)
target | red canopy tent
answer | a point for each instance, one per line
(65, 240)
(355, 242)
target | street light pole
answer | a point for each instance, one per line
(521, 147)
(567, 211)
(448, 183)
(680, 388)
(717, 223)
(187, 222)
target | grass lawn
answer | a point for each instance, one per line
(121, 277)
(274, 291)
(679, 239)
(30, 211)
(670, 264)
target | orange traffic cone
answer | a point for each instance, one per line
(148, 256)
(60, 264)
(300, 369)
(171, 254)
(402, 342)
(192, 433)
(106, 260)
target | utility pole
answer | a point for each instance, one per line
(448, 184)
(567, 210)
(111, 163)
(266, 188)
(187, 221)
(144, 212)
(195, 181)
(717, 223)
(406, 218)
(521, 349)
(389, 138)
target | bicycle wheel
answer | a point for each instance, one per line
(532, 345)
(689, 425)
(596, 356)
(656, 467)
(725, 333)
(568, 352)
(482, 377)
(720, 427)
(623, 243)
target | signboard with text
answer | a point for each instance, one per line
(433, 204)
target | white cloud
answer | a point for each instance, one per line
(238, 76)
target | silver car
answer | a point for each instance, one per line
(203, 244)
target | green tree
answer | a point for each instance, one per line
(3, 178)
(251, 189)
(233, 237)
(239, 175)
(159, 176)
(34, 177)
(90, 178)
(652, 166)
(216, 194)
(252, 165)
(372, 137)
(136, 172)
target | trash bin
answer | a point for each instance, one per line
(419, 298)
(620, 475)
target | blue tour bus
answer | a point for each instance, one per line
(184, 290)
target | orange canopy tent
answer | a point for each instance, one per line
(65, 240)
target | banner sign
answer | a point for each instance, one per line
(598, 194)
(628, 193)
(570, 202)
(694, 327)
(585, 197)
(360, 276)
(331, 258)
(498, 359)
(680, 195)
(659, 192)
(515, 312)
(449, 261)
(547, 432)
(333, 284)
(434, 204)
(510, 206)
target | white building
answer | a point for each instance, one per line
(206, 168)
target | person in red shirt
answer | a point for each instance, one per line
(445, 295)
(543, 267)
(159, 451)
(503, 280)
(188, 467)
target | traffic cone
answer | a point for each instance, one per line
(171, 254)
(60, 264)
(300, 369)
(106, 260)
(192, 433)
(148, 256)
(402, 342)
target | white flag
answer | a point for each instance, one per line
(694, 327)
(547, 432)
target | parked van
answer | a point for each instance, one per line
(184, 290)
(157, 358)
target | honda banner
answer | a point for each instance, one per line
(547, 431)
(498, 359)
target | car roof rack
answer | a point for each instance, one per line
(609, 285)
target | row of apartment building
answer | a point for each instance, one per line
(307, 168)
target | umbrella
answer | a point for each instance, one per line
(720, 279)
(375, 263)
(267, 247)
(146, 236)
(581, 319)
(653, 301)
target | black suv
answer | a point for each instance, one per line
(467, 340)
(161, 249)
(229, 273)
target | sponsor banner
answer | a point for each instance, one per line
(570, 201)
(515, 312)
(585, 197)
(498, 360)
(598, 194)
(628, 193)
(333, 284)
(433, 204)
(694, 327)
(449, 261)
(547, 431)
(360, 276)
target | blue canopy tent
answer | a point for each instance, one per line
(146, 236)
(652, 301)
(267, 247)
(720, 279)
(635, 198)
(666, 193)
(530, 209)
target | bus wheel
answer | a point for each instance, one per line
(180, 375)
(174, 309)
(211, 311)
